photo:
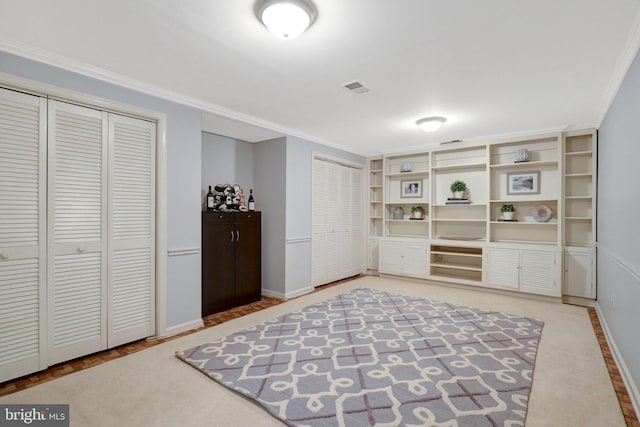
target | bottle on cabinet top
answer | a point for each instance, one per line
(252, 203)
(210, 200)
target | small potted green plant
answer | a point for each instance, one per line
(507, 212)
(458, 188)
(417, 212)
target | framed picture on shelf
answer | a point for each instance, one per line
(411, 188)
(523, 183)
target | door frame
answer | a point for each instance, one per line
(49, 91)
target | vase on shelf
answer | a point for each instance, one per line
(398, 213)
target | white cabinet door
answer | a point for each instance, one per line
(504, 268)
(538, 273)
(415, 259)
(319, 224)
(373, 253)
(131, 267)
(578, 277)
(391, 256)
(22, 233)
(77, 237)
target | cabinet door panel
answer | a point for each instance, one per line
(503, 271)
(218, 262)
(414, 259)
(538, 273)
(247, 262)
(578, 280)
(391, 256)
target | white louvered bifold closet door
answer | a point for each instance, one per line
(22, 233)
(337, 244)
(77, 299)
(131, 274)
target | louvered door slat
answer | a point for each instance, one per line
(22, 233)
(132, 229)
(77, 242)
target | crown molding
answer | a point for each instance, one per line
(621, 69)
(59, 61)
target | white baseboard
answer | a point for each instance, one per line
(178, 329)
(632, 389)
(288, 295)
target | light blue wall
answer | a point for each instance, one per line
(183, 175)
(226, 160)
(618, 231)
(270, 192)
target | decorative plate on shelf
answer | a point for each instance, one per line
(542, 213)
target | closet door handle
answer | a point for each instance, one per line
(237, 236)
(231, 235)
(3, 257)
(80, 250)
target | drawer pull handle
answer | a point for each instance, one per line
(232, 235)
(237, 236)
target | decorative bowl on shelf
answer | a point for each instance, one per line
(542, 213)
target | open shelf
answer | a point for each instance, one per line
(460, 219)
(456, 262)
(482, 165)
(527, 165)
(579, 153)
(408, 174)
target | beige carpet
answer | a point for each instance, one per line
(571, 386)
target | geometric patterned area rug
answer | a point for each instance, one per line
(371, 357)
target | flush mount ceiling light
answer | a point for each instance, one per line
(286, 19)
(431, 124)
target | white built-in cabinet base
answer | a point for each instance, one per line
(523, 268)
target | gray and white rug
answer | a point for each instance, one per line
(370, 357)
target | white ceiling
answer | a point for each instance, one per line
(492, 67)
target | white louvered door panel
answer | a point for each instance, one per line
(77, 231)
(539, 273)
(357, 234)
(131, 271)
(504, 268)
(341, 264)
(319, 225)
(22, 233)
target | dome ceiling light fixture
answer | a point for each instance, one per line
(431, 124)
(286, 19)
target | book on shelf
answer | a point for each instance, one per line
(451, 201)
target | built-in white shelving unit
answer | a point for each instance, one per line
(549, 179)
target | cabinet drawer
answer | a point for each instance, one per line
(247, 217)
(218, 217)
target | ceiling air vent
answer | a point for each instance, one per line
(356, 87)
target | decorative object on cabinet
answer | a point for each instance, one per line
(228, 198)
(231, 260)
(507, 212)
(458, 188)
(523, 183)
(522, 155)
(406, 166)
(411, 188)
(417, 212)
(542, 213)
(398, 213)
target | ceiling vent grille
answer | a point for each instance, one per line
(356, 87)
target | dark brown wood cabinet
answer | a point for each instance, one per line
(231, 260)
